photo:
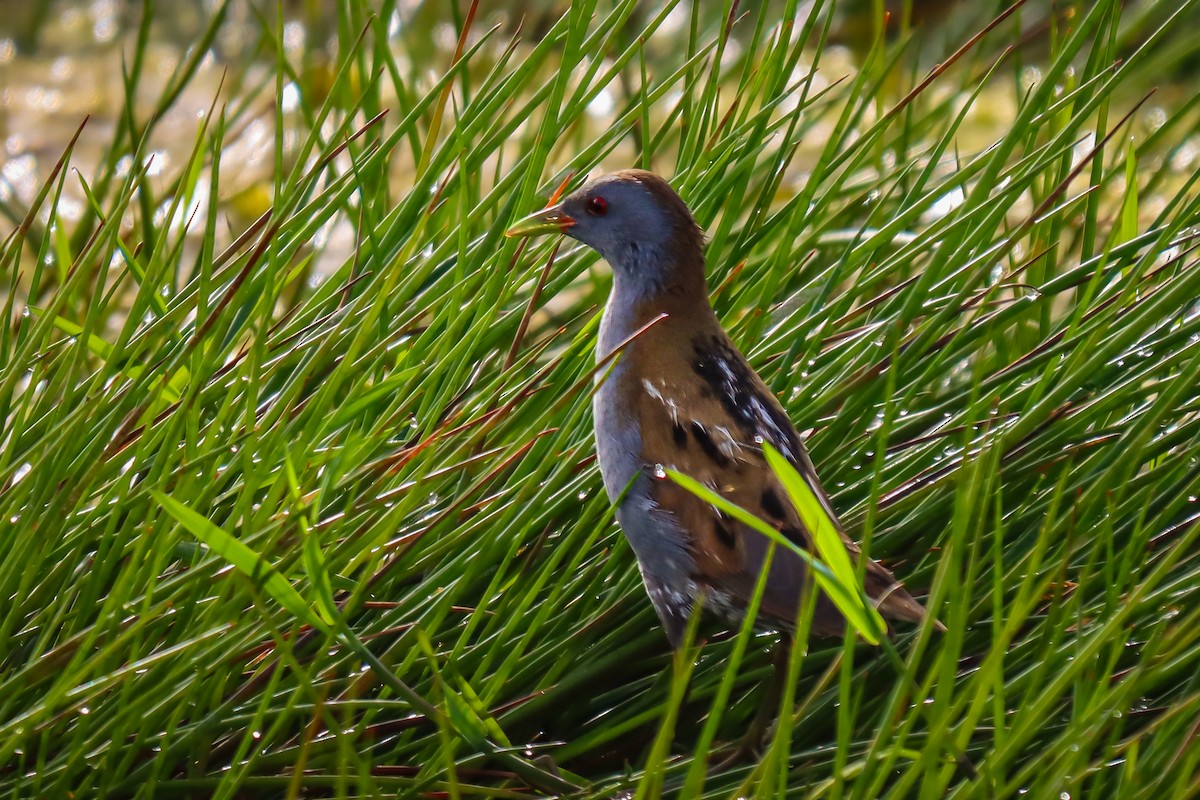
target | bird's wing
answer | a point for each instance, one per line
(710, 426)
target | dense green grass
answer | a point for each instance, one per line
(274, 532)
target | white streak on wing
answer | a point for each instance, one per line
(656, 393)
(775, 436)
(730, 375)
(725, 442)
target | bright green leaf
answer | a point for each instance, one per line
(242, 557)
(849, 601)
(825, 534)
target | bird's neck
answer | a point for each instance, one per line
(637, 300)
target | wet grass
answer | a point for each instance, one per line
(287, 517)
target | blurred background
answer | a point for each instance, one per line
(64, 60)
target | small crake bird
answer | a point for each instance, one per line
(682, 397)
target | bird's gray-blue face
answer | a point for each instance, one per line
(618, 219)
(632, 219)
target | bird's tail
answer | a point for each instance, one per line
(894, 602)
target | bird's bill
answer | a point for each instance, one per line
(548, 220)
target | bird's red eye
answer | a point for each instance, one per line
(597, 206)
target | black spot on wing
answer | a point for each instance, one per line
(771, 504)
(796, 536)
(679, 434)
(725, 535)
(708, 445)
(728, 377)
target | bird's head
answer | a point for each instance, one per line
(633, 219)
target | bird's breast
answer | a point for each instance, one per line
(618, 434)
